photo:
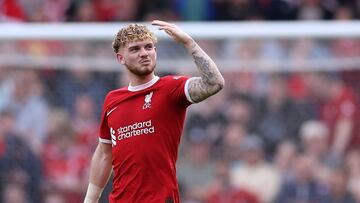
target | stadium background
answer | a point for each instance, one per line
(265, 138)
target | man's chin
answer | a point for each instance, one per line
(144, 71)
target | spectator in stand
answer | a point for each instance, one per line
(339, 109)
(65, 159)
(229, 148)
(158, 9)
(11, 11)
(54, 197)
(338, 187)
(286, 151)
(30, 108)
(195, 170)
(302, 50)
(314, 10)
(81, 11)
(347, 48)
(190, 10)
(314, 138)
(277, 10)
(84, 120)
(18, 164)
(277, 116)
(356, 192)
(109, 10)
(221, 191)
(44, 11)
(314, 142)
(6, 87)
(352, 163)
(15, 193)
(343, 13)
(79, 81)
(254, 174)
(208, 120)
(55, 10)
(241, 10)
(239, 110)
(302, 186)
(356, 7)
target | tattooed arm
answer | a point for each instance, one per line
(210, 80)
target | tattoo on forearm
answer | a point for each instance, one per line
(204, 68)
(211, 80)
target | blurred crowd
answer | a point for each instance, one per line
(274, 146)
(269, 137)
(286, 137)
(182, 10)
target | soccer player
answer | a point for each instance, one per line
(141, 124)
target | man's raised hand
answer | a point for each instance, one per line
(173, 31)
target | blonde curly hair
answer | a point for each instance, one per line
(131, 33)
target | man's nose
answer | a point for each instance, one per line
(143, 52)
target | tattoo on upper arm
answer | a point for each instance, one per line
(198, 90)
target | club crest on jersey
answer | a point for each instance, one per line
(147, 103)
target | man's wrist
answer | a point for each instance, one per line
(93, 193)
(190, 45)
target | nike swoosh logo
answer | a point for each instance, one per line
(109, 112)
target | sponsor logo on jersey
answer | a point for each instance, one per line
(135, 129)
(113, 136)
(147, 103)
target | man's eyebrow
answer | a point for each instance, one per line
(134, 46)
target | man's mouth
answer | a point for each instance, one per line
(145, 62)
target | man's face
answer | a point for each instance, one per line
(139, 57)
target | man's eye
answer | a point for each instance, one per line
(149, 46)
(134, 49)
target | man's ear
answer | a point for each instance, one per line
(120, 58)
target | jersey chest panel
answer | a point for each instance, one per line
(135, 122)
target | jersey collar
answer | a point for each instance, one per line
(143, 86)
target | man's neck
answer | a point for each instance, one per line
(136, 80)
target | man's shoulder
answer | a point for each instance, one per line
(118, 91)
(174, 78)
(115, 94)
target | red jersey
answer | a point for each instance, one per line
(144, 124)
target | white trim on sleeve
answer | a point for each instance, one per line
(186, 89)
(106, 141)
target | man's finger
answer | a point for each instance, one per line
(169, 32)
(158, 22)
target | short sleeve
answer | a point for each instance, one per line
(179, 89)
(104, 131)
